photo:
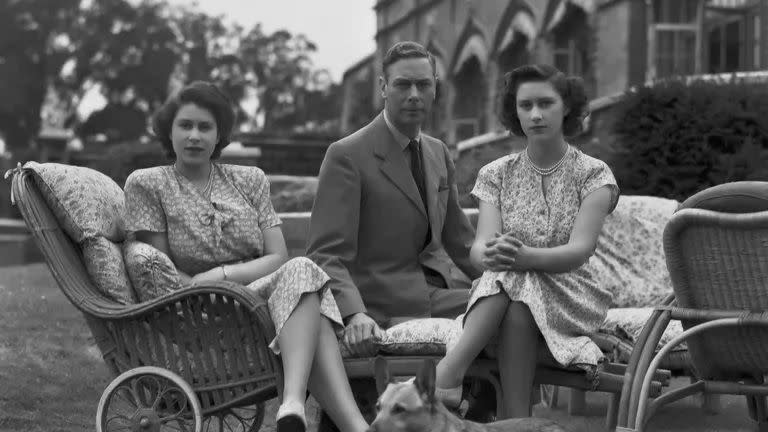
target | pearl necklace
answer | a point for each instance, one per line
(208, 185)
(546, 171)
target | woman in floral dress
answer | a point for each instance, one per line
(541, 211)
(216, 222)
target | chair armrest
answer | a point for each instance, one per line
(230, 290)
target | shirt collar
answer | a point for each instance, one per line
(399, 136)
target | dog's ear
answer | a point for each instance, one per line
(425, 380)
(381, 370)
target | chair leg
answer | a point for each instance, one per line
(550, 395)
(612, 417)
(710, 403)
(577, 402)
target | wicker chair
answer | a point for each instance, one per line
(719, 268)
(197, 359)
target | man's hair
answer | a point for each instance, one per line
(406, 50)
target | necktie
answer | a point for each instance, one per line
(418, 170)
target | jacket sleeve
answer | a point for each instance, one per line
(334, 224)
(458, 233)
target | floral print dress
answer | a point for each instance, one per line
(225, 228)
(569, 306)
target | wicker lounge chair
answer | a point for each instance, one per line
(719, 267)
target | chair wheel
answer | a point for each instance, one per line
(148, 399)
(240, 419)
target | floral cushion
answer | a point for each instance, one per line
(629, 259)
(86, 202)
(150, 270)
(627, 323)
(104, 263)
(423, 336)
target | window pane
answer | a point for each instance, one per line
(732, 46)
(756, 46)
(561, 61)
(675, 11)
(675, 51)
(715, 45)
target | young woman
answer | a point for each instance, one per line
(541, 211)
(216, 222)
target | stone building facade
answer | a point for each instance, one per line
(612, 44)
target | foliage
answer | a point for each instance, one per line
(678, 137)
(136, 53)
(29, 51)
(124, 158)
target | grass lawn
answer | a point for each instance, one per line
(52, 375)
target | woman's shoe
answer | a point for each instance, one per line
(290, 418)
(451, 397)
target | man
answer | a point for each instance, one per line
(386, 205)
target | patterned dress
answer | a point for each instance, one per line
(225, 228)
(569, 306)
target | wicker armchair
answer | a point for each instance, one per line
(719, 267)
(197, 359)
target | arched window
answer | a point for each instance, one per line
(470, 99)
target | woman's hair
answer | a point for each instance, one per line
(204, 95)
(570, 88)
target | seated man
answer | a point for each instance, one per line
(386, 205)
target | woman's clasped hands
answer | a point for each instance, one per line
(505, 252)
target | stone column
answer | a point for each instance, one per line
(763, 34)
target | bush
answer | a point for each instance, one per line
(121, 159)
(677, 138)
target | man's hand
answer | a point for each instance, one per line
(505, 252)
(360, 334)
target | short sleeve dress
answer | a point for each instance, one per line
(225, 228)
(568, 306)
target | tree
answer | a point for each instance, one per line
(32, 46)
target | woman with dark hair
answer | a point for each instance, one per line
(541, 211)
(216, 222)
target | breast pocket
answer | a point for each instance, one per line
(443, 190)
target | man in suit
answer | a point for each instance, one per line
(386, 205)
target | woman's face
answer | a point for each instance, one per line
(194, 134)
(540, 109)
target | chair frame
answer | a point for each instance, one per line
(635, 409)
(225, 360)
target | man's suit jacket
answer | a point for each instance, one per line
(369, 224)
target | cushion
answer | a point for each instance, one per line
(735, 197)
(629, 259)
(627, 323)
(86, 202)
(423, 336)
(104, 263)
(151, 272)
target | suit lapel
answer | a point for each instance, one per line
(393, 164)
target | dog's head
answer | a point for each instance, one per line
(404, 406)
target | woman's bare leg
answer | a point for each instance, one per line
(481, 324)
(298, 344)
(329, 384)
(518, 348)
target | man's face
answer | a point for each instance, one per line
(408, 91)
